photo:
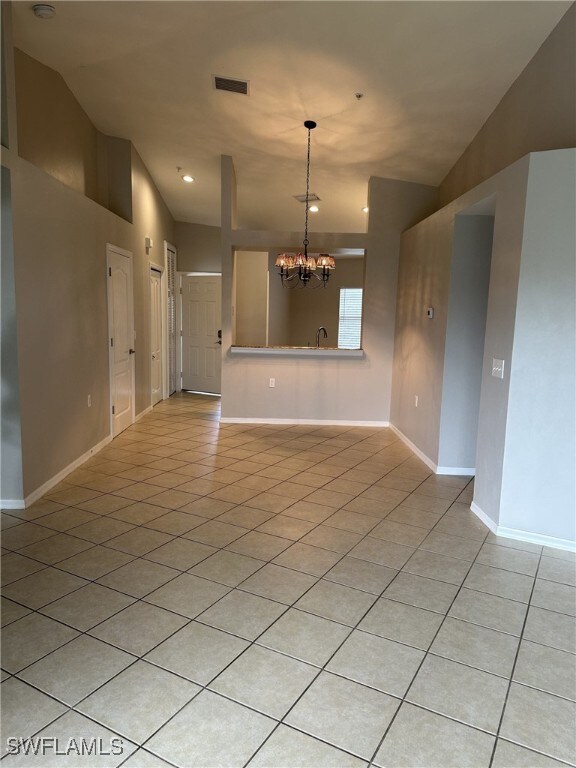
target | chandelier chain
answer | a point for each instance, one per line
(307, 196)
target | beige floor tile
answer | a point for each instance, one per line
(245, 517)
(265, 680)
(546, 668)
(439, 567)
(336, 602)
(553, 629)
(361, 574)
(277, 583)
(421, 738)
(462, 693)
(88, 664)
(476, 646)
(38, 509)
(554, 597)
(234, 494)
(105, 504)
(495, 581)
(377, 662)
(195, 738)
(208, 508)
(288, 748)
(352, 521)
(101, 530)
(269, 502)
(73, 496)
(187, 595)
(382, 552)
(509, 755)
(368, 714)
(139, 513)
(139, 541)
(175, 523)
(294, 489)
(23, 535)
(416, 517)
(427, 503)
(402, 623)
(138, 577)
(28, 639)
(56, 548)
(143, 759)
(227, 568)
(43, 587)
(12, 611)
(451, 546)
(287, 527)
(25, 710)
(312, 560)
(242, 614)
(304, 636)
(508, 559)
(306, 510)
(329, 498)
(202, 486)
(489, 611)
(458, 525)
(87, 606)
(16, 566)
(408, 535)
(197, 652)
(139, 491)
(540, 721)
(420, 592)
(261, 546)
(138, 628)
(333, 539)
(554, 569)
(216, 533)
(120, 706)
(180, 553)
(67, 518)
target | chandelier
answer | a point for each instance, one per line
(300, 269)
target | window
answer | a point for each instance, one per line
(350, 318)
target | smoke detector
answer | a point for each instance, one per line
(44, 11)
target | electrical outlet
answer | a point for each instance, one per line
(415, 401)
(89, 401)
(272, 383)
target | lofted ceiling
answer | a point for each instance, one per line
(431, 73)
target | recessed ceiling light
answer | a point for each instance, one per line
(44, 11)
(188, 178)
(313, 209)
(365, 209)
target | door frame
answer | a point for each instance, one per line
(166, 340)
(153, 267)
(110, 248)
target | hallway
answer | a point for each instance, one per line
(273, 595)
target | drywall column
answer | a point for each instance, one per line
(464, 349)
(228, 223)
(393, 207)
(11, 481)
(539, 459)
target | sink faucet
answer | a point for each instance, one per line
(318, 335)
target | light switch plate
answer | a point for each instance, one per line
(497, 368)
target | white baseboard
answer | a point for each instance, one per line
(519, 535)
(143, 413)
(428, 461)
(312, 422)
(49, 484)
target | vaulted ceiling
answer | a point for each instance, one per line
(430, 74)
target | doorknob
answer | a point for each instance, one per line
(131, 351)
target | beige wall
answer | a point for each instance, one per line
(278, 307)
(198, 247)
(537, 113)
(251, 298)
(60, 237)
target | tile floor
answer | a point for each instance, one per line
(247, 595)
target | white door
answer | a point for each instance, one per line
(201, 343)
(121, 338)
(156, 334)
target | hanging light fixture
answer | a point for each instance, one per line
(301, 269)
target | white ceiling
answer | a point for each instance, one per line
(431, 72)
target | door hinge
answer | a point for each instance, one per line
(113, 410)
(109, 271)
(180, 291)
(181, 333)
(111, 342)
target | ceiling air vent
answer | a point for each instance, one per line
(312, 198)
(228, 84)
